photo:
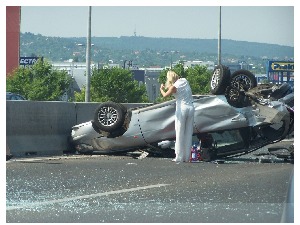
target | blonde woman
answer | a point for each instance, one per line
(184, 115)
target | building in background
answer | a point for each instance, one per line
(151, 82)
(13, 20)
(238, 66)
(144, 76)
(190, 64)
(76, 70)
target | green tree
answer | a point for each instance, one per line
(114, 84)
(198, 77)
(39, 82)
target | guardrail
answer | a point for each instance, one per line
(42, 128)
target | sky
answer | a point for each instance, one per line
(264, 24)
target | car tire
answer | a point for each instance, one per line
(236, 98)
(243, 80)
(219, 80)
(109, 116)
(240, 82)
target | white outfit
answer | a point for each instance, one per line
(184, 120)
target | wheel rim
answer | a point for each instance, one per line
(107, 116)
(234, 94)
(242, 81)
(215, 78)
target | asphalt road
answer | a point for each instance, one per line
(125, 189)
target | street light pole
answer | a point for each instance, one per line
(219, 41)
(88, 57)
(172, 52)
(171, 59)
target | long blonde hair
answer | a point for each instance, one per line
(172, 77)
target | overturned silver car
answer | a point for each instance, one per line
(237, 117)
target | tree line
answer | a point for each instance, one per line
(42, 82)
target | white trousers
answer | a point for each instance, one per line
(184, 125)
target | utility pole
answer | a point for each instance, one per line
(172, 59)
(219, 41)
(88, 57)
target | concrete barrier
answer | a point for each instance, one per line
(43, 128)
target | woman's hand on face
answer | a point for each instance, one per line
(162, 86)
(169, 92)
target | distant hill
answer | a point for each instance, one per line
(190, 45)
(146, 50)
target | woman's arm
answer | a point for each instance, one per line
(170, 91)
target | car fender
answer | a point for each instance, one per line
(132, 138)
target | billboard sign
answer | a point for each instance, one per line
(28, 61)
(281, 66)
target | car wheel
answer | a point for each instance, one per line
(243, 80)
(109, 116)
(219, 80)
(236, 98)
(240, 82)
